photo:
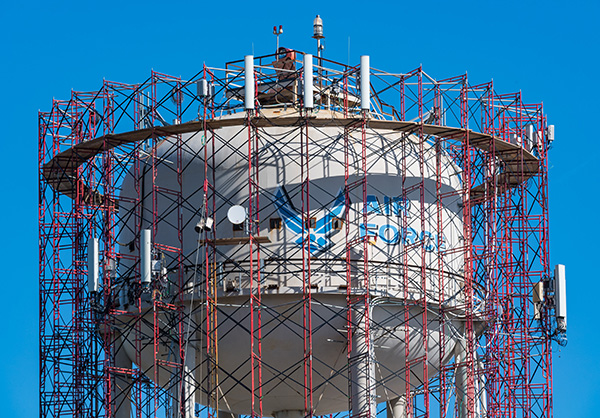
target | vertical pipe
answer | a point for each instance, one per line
(146, 256)
(93, 265)
(481, 394)
(308, 82)
(189, 387)
(365, 83)
(396, 408)
(122, 381)
(362, 364)
(461, 377)
(249, 82)
(320, 64)
(465, 397)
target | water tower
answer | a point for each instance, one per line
(293, 237)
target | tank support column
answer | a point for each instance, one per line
(189, 383)
(481, 405)
(189, 387)
(122, 384)
(362, 366)
(226, 414)
(185, 390)
(288, 414)
(396, 408)
(464, 385)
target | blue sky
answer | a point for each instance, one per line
(548, 50)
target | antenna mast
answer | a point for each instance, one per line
(277, 32)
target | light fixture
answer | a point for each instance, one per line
(204, 224)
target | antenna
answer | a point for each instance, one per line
(277, 32)
(236, 214)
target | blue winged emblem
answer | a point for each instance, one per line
(319, 237)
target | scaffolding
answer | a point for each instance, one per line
(155, 335)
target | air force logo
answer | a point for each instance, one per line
(383, 224)
(319, 236)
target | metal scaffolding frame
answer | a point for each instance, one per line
(91, 145)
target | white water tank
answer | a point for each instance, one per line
(403, 237)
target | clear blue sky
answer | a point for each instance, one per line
(548, 50)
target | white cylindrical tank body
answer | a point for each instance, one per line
(403, 234)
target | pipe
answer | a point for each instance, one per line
(189, 386)
(190, 381)
(465, 386)
(396, 408)
(185, 392)
(481, 392)
(249, 82)
(122, 384)
(362, 365)
(308, 82)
